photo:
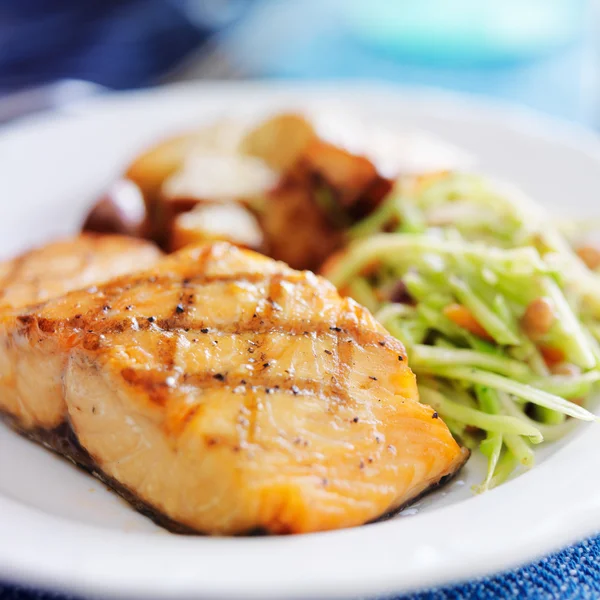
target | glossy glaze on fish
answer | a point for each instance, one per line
(229, 393)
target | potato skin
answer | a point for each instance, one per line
(120, 210)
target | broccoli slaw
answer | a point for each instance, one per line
(499, 314)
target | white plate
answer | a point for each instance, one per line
(60, 528)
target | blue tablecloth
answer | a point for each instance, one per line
(572, 574)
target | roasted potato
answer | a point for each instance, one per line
(229, 222)
(324, 189)
(280, 141)
(151, 169)
(120, 210)
(210, 177)
(304, 191)
(353, 178)
(297, 230)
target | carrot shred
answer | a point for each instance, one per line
(551, 355)
(463, 317)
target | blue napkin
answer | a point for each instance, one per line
(572, 574)
(116, 43)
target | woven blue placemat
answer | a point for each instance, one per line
(572, 574)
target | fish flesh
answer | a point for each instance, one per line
(223, 392)
(69, 264)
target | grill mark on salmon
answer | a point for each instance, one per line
(343, 359)
(347, 332)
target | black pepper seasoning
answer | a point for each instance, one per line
(179, 309)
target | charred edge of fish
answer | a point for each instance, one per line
(63, 441)
(444, 480)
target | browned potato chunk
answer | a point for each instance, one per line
(150, 169)
(344, 171)
(351, 176)
(279, 141)
(296, 230)
(323, 192)
(305, 191)
(120, 210)
(212, 177)
(229, 222)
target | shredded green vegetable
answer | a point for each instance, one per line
(474, 258)
(477, 418)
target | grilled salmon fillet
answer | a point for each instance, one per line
(224, 392)
(69, 264)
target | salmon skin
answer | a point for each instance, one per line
(223, 392)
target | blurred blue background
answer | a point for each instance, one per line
(542, 53)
